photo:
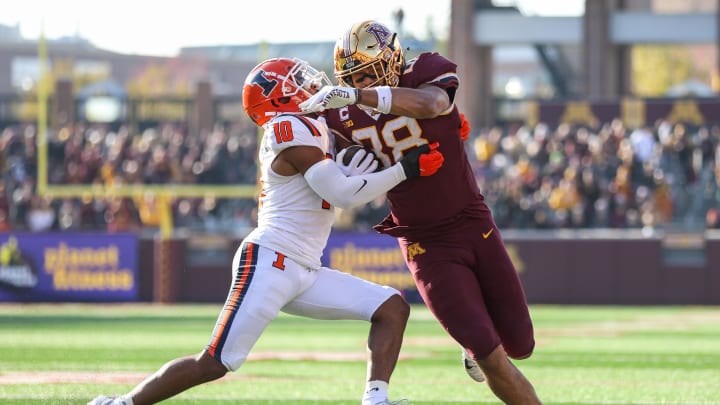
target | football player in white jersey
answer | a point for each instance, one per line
(277, 266)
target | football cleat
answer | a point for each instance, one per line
(103, 400)
(398, 402)
(471, 368)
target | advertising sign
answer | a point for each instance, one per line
(68, 267)
(373, 257)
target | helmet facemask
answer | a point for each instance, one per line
(303, 79)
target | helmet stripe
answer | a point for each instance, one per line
(313, 130)
(346, 42)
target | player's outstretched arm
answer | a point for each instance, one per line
(424, 102)
(327, 179)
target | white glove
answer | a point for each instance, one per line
(362, 162)
(329, 97)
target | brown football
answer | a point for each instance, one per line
(350, 151)
(353, 149)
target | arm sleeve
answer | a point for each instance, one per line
(326, 179)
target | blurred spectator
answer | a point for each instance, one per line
(40, 215)
(5, 225)
(122, 216)
(20, 204)
(713, 218)
(149, 210)
(92, 214)
(68, 215)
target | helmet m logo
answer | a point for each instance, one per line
(380, 33)
(267, 85)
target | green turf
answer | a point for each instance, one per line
(584, 355)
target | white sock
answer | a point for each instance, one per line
(375, 391)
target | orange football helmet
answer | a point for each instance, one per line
(369, 44)
(276, 86)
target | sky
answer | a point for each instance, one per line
(162, 27)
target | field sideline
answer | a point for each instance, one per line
(68, 353)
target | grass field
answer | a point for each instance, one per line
(67, 354)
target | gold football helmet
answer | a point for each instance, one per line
(369, 44)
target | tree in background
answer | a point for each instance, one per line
(657, 68)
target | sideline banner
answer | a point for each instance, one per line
(373, 257)
(68, 267)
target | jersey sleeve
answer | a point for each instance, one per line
(433, 68)
(326, 179)
(292, 130)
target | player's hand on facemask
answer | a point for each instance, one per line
(423, 161)
(330, 97)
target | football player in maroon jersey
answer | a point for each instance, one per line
(445, 230)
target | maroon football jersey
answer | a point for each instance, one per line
(422, 201)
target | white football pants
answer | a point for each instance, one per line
(266, 282)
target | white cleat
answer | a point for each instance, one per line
(471, 368)
(103, 400)
(399, 402)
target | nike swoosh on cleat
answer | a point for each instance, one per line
(361, 187)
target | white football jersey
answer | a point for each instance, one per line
(292, 218)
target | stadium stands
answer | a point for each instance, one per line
(570, 176)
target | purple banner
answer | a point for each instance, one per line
(373, 257)
(74, 267)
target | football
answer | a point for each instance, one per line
(350, 151)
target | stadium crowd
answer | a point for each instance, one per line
(612, 177)
(96, 154)
(536, 177)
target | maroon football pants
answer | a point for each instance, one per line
(468, 281)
